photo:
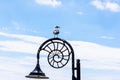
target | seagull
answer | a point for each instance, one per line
(56, 31)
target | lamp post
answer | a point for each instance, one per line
(59, 52)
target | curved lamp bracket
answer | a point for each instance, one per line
(59, 52)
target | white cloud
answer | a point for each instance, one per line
(13, 68)
(53, 3)
(93, 56)
(25, 43)
(28, 38)
(107, 37)
(80, 13)
(98, 4)
(84, 50)
(18, 46)
(97, 56)
(106, 5)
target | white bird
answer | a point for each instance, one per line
(56, 31)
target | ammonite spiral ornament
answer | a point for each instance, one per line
(59, 52)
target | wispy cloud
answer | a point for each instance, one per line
(3, 28)
(97, 56)
(80, 13)
(24, 43)
(18, 46)
(107, 37)
(16, 25)
(53, 3)
(106, 5)
(28, 38)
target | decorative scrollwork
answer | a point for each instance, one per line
(59, 52)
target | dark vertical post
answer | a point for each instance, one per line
(73, 65)
(78, 70)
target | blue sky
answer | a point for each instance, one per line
(91, 26)
(87, 20)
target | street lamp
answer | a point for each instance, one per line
(59, 52)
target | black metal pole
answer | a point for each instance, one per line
(73, 67)
(78, 70)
